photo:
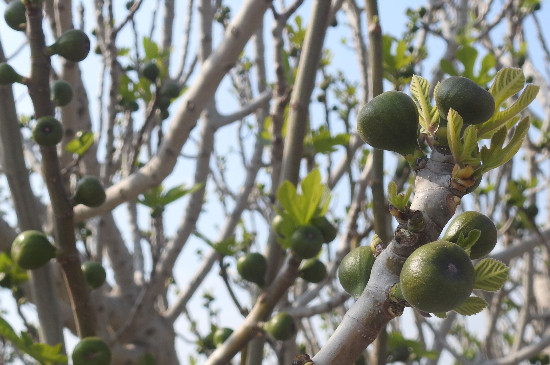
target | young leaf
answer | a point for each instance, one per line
(502, 117)
(288, 198)
(469, 143)
(496, 155)
(454, 127)
(508, 82)
(312, 192)
(471, 306)
(467, 242)
(490, 275)
(420, 90)
(81, 143)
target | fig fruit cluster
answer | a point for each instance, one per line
(439, 276)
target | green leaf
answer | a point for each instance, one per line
(469, 147)
(43, 353)
(151, 49)
(312, 194)
(288, 198)
(501, 117)
(177, 192)
(447, 67)
(497, 156)
(420, 90)
(491, 275)
(467, 55)
(454, 128)
(467, 242)
(471, 306)
(508, 81)
(81, 143)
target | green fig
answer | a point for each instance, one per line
(390, 122)
(221, 335)
(252, 267)
(313, 271)
(73, 45)
(8, 75)
(281, 326)
(328, 229)
(306, 241)
(94, 273)
(170, 89)
(47, 131)
(472, 102)
(61, 92)
(150, 71)
(15, 15)
(91, 351)
(31, 250)
(89, 191)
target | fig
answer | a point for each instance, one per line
(281, 326)
(221, 335)
(15, 15)
(252, 267)
(437, 277)
(73, 45)
(47, 131)
(150, 71)
(89, 191)
(313, 271)
(94, 273)
(354, 270)
(306, 241)
(91, 351)
(468, 221)
(472, 102)
(31, 250)
(328, 230)
(390, 122)
(61, 92)
(8, 75)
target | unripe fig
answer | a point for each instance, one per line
(163, 102)
(281, 326)
(73, 45)
(472, 102)
(313, 271)
(47, 131)
(8, 75)
(170, 89)
(61, 92)
(354, 270)
(437, 277)
(328, 229)
(468, 221)
(252, 267)
(94, 273)
(91, 351)
(306, 241)
(32, 250)
(390, 122)
(89, 191)
(150, 71)
(221, 335)
(14, 15)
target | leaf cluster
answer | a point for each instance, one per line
(299, 208)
